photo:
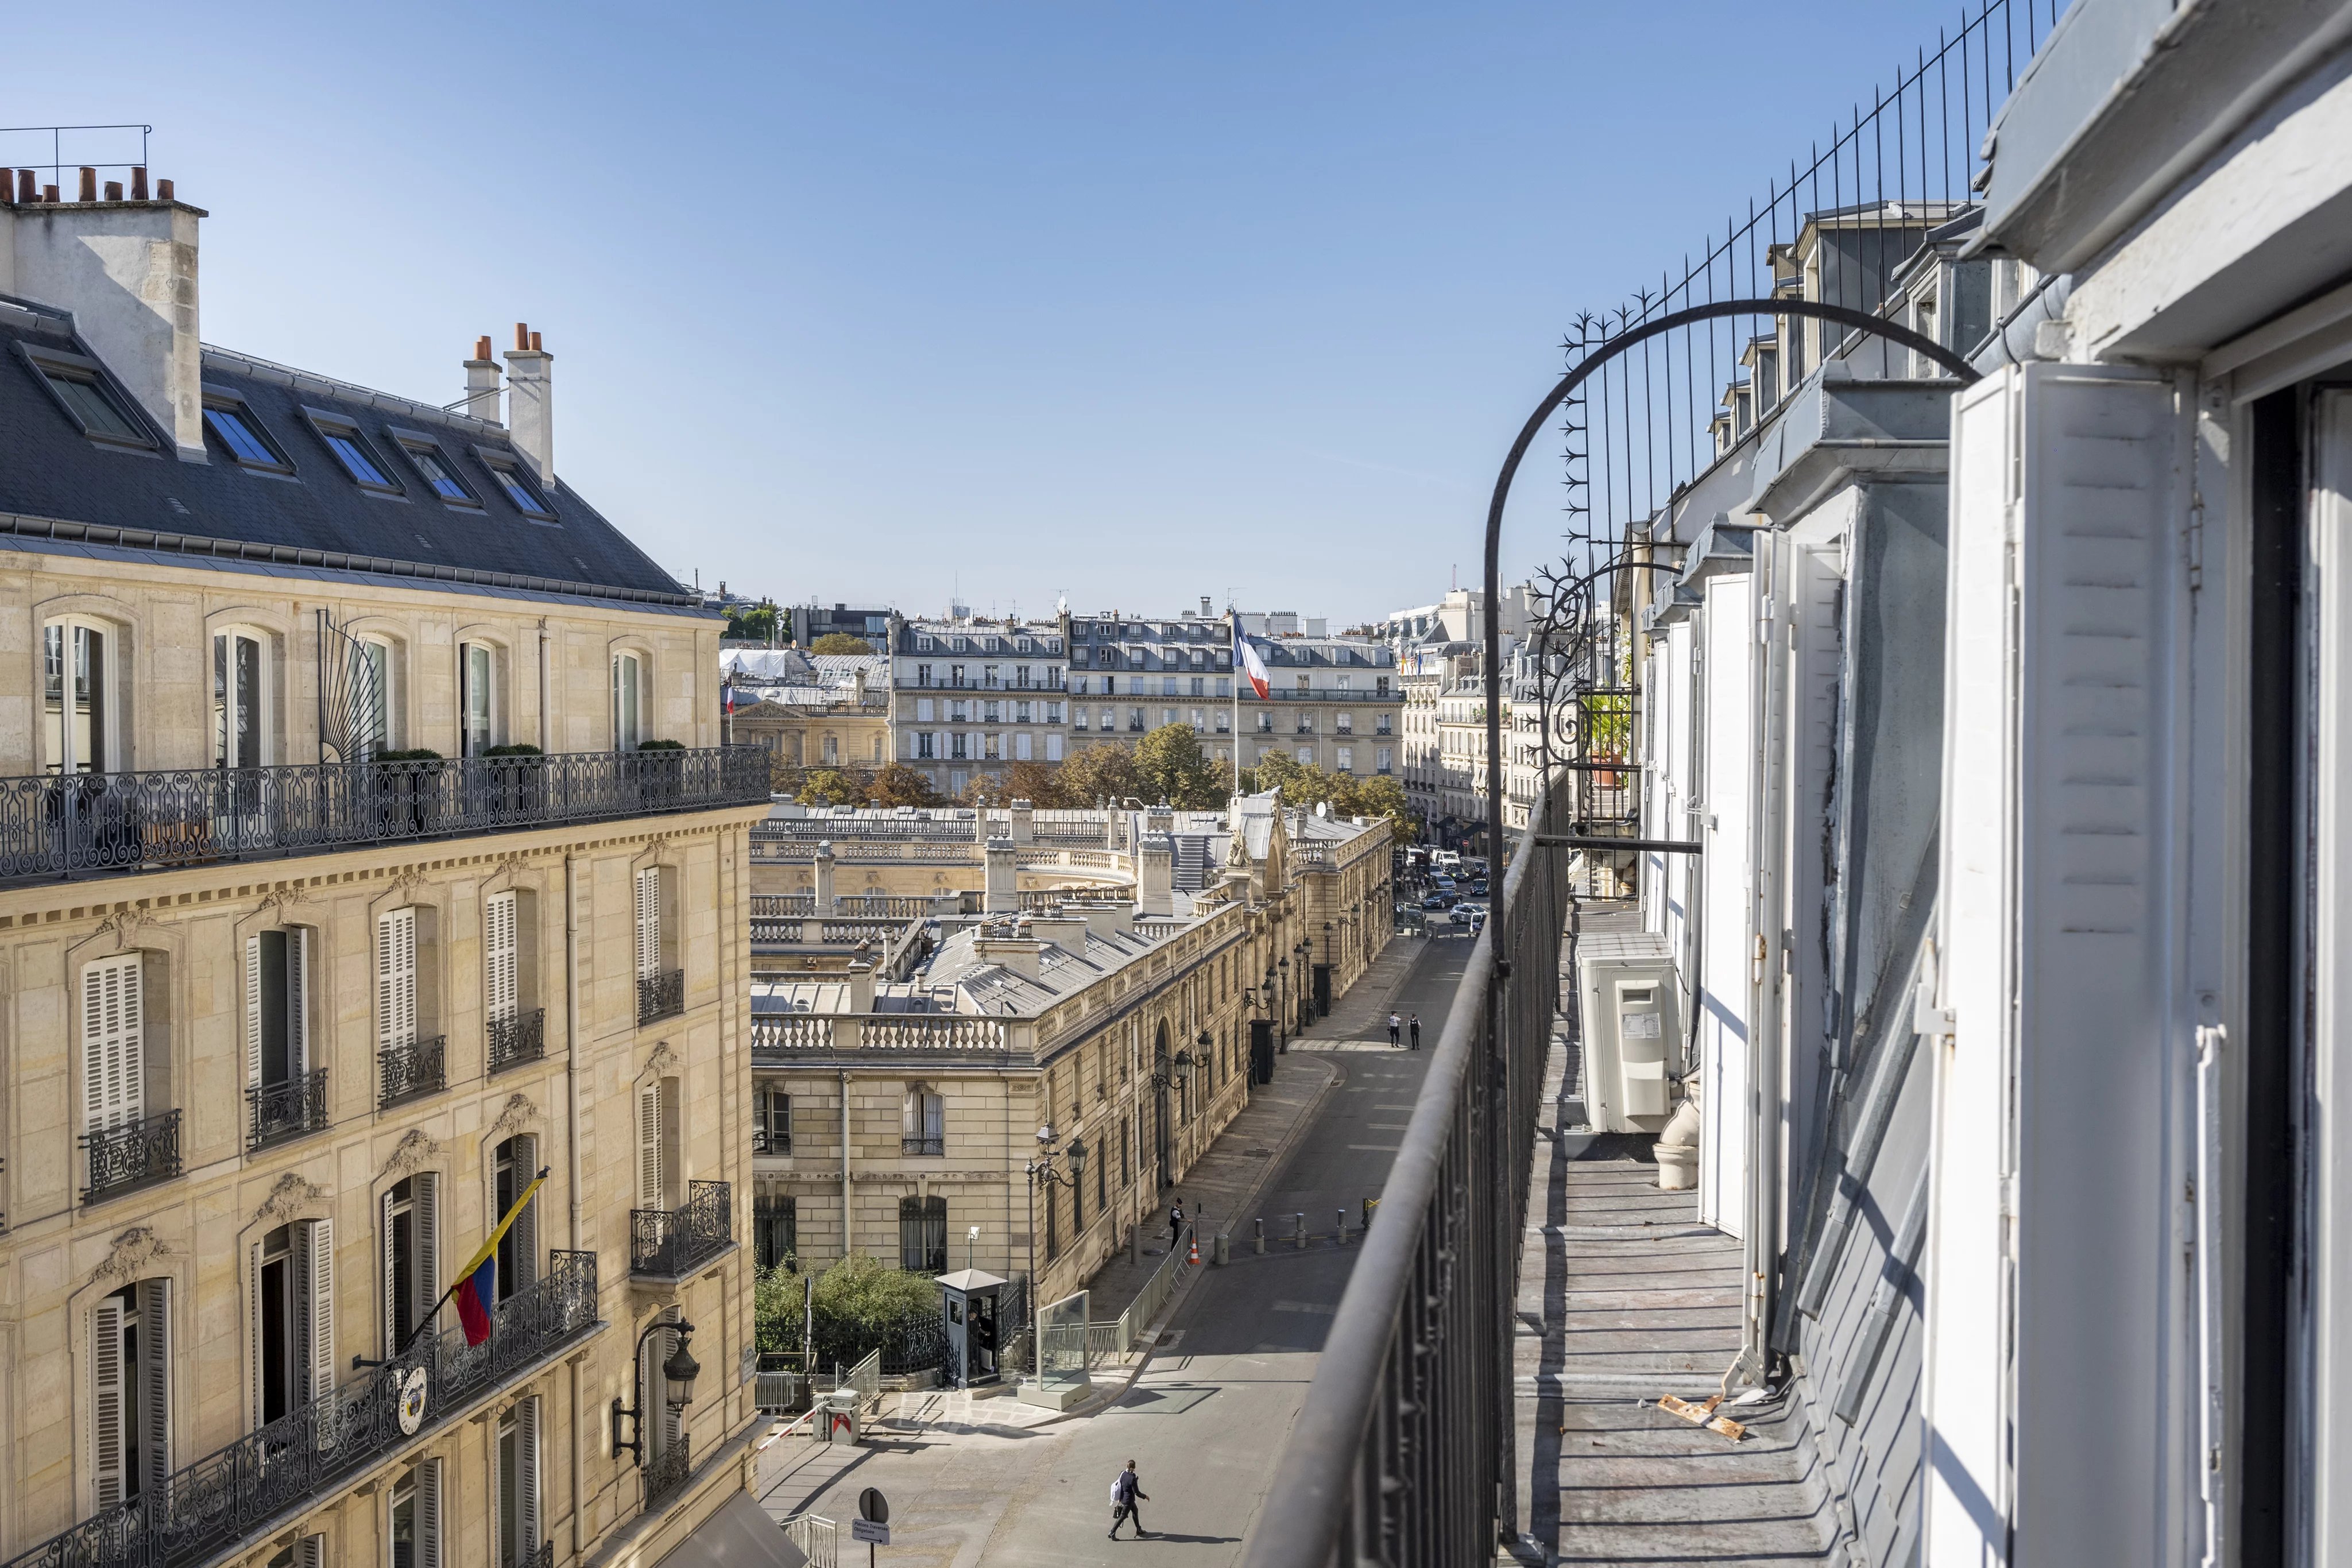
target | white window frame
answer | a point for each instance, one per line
(628, 679)
(226, 706)
(384, 653)
(482, 683)
(107, 695)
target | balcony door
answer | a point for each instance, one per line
(513, 1164)
(655, 1103)
(414, 1530)
(292, 1315)
(76, 715)
(277, 971)
(409, 1237)
(518, 1478)
(130, 1393)
(477, 698)
(240, 700)
(501, 996)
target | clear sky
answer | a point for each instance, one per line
(876, 301)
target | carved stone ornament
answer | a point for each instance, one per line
(124, 928)
(287, 1197)
(282, 900)
(512, 866)
(405, 886)
(657, 847)
(132, 1253)
(519, 1113)
(413, 1153)
(662, 1059)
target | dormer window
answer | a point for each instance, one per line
(88, 398)
(512, 485)
(433, 466)
(351, 449)
(249, 443)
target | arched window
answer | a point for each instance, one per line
(131, 1393)
(628, 701)
(78, 706)
(375, 676)
(481, 716)
(241, 676)
(925, 1125)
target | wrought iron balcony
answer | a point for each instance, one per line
(92, 822)
(517, 1038)
(671, 1243)
(230, 1500)
(661, 996)
(667, 1472)
(288, 1110)
(409, 1071)
(770, 1141)
(908, 1146)
(132, 1154)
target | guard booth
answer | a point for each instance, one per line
(1322, 990)
(1260, 1050)
(967, 1311)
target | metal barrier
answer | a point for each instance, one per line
(818, 1539)
(1402, 1452)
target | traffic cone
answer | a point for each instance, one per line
(1195, 1249)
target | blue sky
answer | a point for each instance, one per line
(872, 302)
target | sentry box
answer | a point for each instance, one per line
(967, 1311)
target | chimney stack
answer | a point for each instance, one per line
(530, 420)
(1155, 876)
(482, 383)
(162, 190)
(127, 272)
(1000, 887)
(824, 901)
(28, 189)
(138, 184)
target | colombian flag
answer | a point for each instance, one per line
(477, 1283)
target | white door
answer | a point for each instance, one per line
(112, 1031)
(1728, 756)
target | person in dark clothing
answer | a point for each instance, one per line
(1126, 1492)
(1175, 1224)
(1414, 1023)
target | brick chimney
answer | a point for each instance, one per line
(482, 383)
(530, 417)
(127, 270)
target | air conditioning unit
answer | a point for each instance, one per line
(1631, 1013)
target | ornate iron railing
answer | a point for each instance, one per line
(227, 1500)
(540, 1556)
(517, 1038)
(661, 996)
(132, 1154)
(671, 1242)
(66, 827)
(667, 1472)
(288, 1110)
(1402, 1452)
(909, 1145)
(410, 1070)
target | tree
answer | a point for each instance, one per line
(1174, 770)
(1038, 783)
(756, 623)
(1096, 774)
(833, 787)
(1274, 771)
(900, 785)
(840, 643)
(1382, 796)
(985, 790)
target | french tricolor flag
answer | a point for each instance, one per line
(1248, 663)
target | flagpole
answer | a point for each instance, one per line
(1233, 617)
(425, 1321)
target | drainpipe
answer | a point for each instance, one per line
(846, 1213)
(546, 725)
(1767, 689)
(572, 1114)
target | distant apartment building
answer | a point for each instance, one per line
(970, 697)
(808, 622)
(810, 710)
(339, 901)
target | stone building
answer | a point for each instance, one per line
(1124, 1015)
(822, 710)
(971, 696)
(308, 969)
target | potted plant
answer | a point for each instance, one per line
(516, 787)
(408, 782)
(660, 777)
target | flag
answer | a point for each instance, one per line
(727, 689)
(1247, 663)
(477, 1283)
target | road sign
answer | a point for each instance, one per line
(873, 1505)
(870, 1533)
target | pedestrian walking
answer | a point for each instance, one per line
(1395, 1023)
(1126, 1492)
(1416, 1032)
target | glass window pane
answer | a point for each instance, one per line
(247, 729)
(93, 407)
(521, 494)
(239, 437)
(354, 459)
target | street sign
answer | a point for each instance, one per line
(870, 1533)
(873, 1505)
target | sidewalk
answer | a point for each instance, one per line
(1360, 1020)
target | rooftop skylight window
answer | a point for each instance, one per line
(88, 398)
(433, 466)
(512, 485)
(250, 445)
(352, 450)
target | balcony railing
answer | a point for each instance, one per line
(912, 1145)
(409, 1071)
(770, 1141)
(517, 1038)
(278, 1110)
(670, 1243)
(667, 1472)
(132, 1154)
(661, 996)
(229, 1500)
(89, 822)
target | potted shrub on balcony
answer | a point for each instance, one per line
(660, 775)
(409, 786)
(516, 787)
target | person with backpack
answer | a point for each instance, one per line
(1126, 1492)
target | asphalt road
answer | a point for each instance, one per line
(1207, 1417)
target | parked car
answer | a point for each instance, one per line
(1439, 901)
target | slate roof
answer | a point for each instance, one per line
(111, 496)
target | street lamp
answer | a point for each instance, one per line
(1282, 964)
(678, 1372)
(1041, 1173)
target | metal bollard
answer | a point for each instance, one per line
(1224, 1248)
(1261, 1236)
(1301, 1221)
(1371, 1205)
(1135, 1244)
(1340, 1227)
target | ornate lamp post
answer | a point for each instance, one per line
(1041, 1173)
(678, 1372)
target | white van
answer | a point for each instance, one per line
(1446, 860)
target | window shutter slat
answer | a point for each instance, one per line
(155, 1386)
(428, 1514)
(526, 1225)
(426, 1186)
(253, 1330)
(499, 1000)
(384, 1267)
(648, 919)
(527, 1442)
(298, 998)
(106, 1405)
(253, 1012)
(649, 1160)
(112, 1022)
(397, 978)
(319, 1318)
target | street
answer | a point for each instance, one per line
(1208, 1414)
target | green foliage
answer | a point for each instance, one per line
(1173, 769)
(1304, 784)
(896, 784)
(832, 787)
(1095, 775)
(757, 625)
(860, 1303)
(840, 643)
(661, 745)
(520, 748)
(413, 754)
(1608, 726)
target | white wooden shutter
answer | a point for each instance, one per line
(498, 989)
(648, 914)
(310, 1551)
(395, 978)
(526, 1225)
(672, 1421)
(649, 1145)
(253, 1012)
(427, 1209)
(316, 1263)
(428, 1514)
(108, 1393)
(527, 1469)
(113, 1071)
(155, 1386)
(253, 1330)
(389, 1274)
(297, 999)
